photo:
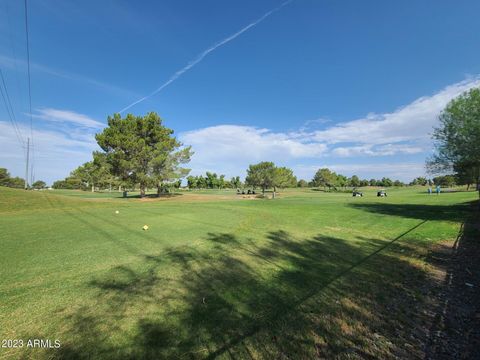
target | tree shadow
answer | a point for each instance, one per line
(455, 333)
(275, 296)
(150, 196)
(455, 212)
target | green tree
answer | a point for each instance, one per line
(91, 173)
(302, 183)
(39, 184)
(133, 146)
(467, 176)
(324, 177)
(192, 182)
(4, 176)
(261, 175)
(15, 182)
(364, 182)
(235, 182)
(387, 182)
(457, 139)
(444, 180)
(354, 181)
(341, 181)
(419, 181)
(283, 178)
(167, 168)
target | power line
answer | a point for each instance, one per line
(29, 90)
(10, 112)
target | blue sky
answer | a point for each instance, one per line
(355, 86)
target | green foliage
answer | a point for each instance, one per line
(354, 181)
(235, 182)
(457, 139)
(302, 183)
(141, 150)
(261, 175)
(4, 176)
(8, 181)
(324, 177)
(444, 180)
(70, 183)
(284, 178)
(211, 181)
(387, 182)
(39, 184)
(419, 181)
(15, 182)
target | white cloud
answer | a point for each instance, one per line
(379, 150)
(413, 122)
(56, 153)
(67, 116)
(233, 143)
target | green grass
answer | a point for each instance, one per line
(308, 274)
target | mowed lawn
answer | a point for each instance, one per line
(309, 274)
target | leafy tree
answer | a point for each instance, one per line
(364, 182)
(135, 146)
(398, 183)
(387, 182)
(372, 182)
(15, 182)
(39, 184)
(283, 178)
(419, 181)
(91, 173)
(167, 168)
(445, 180)
(235, 182)
(192, 182)
(457, 139)
(341, 181)
(4, 176)
(261, 175)
(71, 183)
(302, 183)
(324, 177)
(354, 181)
(467, 176)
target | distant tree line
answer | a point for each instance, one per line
(330, 180)
(17, 182)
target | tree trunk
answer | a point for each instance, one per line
(93, 187)
(263, 190)
(142, 190)
(159, 190)
(274, 191)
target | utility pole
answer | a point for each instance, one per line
(26, 167)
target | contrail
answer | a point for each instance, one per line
(200, 57)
